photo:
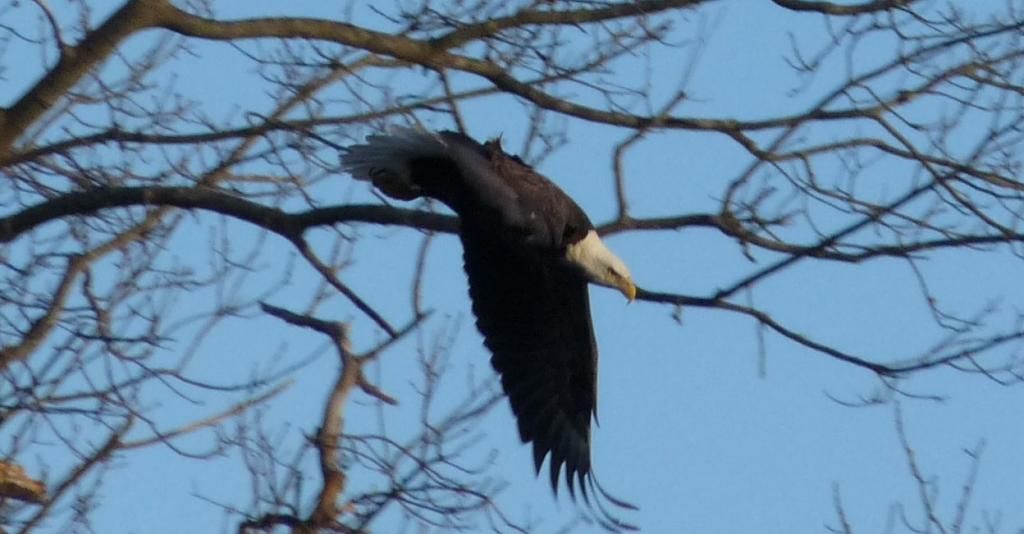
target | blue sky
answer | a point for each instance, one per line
(691, 429)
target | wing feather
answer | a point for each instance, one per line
(534, 314)
(466, 175)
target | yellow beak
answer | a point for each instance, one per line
(628, 288)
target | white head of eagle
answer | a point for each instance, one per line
(601, 265)
(529, 252)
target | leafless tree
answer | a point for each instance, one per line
(933, 516)
(142, 218)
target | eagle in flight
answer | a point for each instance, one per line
(529, 252)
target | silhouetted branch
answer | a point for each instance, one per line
(120, 258)
(273, 219)
(831, 8)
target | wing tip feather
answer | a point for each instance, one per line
(383, 159)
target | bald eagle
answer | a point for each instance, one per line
(529, 252)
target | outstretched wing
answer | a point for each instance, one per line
(534, 314)
(467, 176)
